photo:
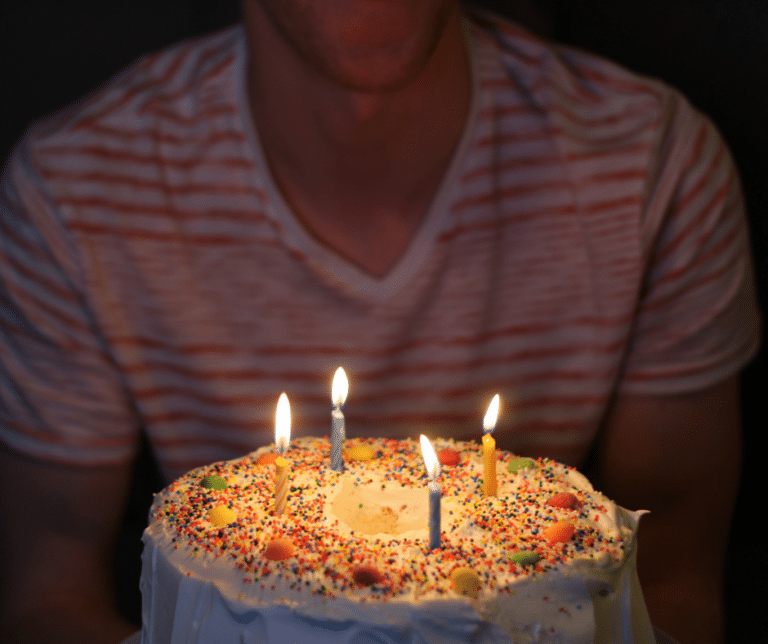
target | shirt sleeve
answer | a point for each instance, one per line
(697, 322)
(62, 397)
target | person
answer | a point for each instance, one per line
(422, 192)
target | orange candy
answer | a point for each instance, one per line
(367, 575)
(267, 459)
(559, 532)
(279, 549)
(564, 500)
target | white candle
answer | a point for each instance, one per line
(282, 438)
(433, 471)
(339, 390)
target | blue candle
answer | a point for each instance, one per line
(338, 436)
(434, 515)
(433, 471)
(339, 391)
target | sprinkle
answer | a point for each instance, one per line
(498, 541)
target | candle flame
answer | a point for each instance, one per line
(430, 458)
(489, 422)
(282, 423)
(339, 388)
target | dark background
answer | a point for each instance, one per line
(715, 51)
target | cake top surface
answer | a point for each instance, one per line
(363, 533)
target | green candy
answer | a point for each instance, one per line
(526, 558)
(213, 482)
(520, 463)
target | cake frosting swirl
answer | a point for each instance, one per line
(548, 559)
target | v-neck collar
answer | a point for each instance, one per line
(332, 266)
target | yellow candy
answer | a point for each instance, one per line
(221, 516)
(361, 453)
(466, 582)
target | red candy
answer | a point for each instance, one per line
(367, 575)
(448, 456)
(564, 500)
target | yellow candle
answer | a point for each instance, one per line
(282, 438)
(281, 484)
(489, 448)
(489, 462)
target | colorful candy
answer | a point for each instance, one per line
(526, 558)
(360, 452)
(279, 549)
(520, 463)
(564, 500)
(221, 515)
(268, 458)
(559, 532)
(213, 482)
(448, 457)
(465, 581)
(519, 533)
(367, 575)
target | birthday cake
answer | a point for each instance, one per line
(547, 559)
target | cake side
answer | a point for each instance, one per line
(522, 566)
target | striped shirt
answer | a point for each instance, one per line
(588, 239)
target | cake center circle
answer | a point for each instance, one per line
(371, 508)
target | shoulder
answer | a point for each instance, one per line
(169, 86)
(600, 119)
(168, 109)
(582, 95)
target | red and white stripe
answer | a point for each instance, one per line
(589, 238)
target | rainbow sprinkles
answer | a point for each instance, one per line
(363, 533)
(546, 560)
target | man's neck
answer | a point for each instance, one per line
(359, 168)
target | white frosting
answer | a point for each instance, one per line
(589, 595)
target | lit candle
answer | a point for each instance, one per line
(433, 471)
(489, 447)
(282, 438)
(339, 391)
